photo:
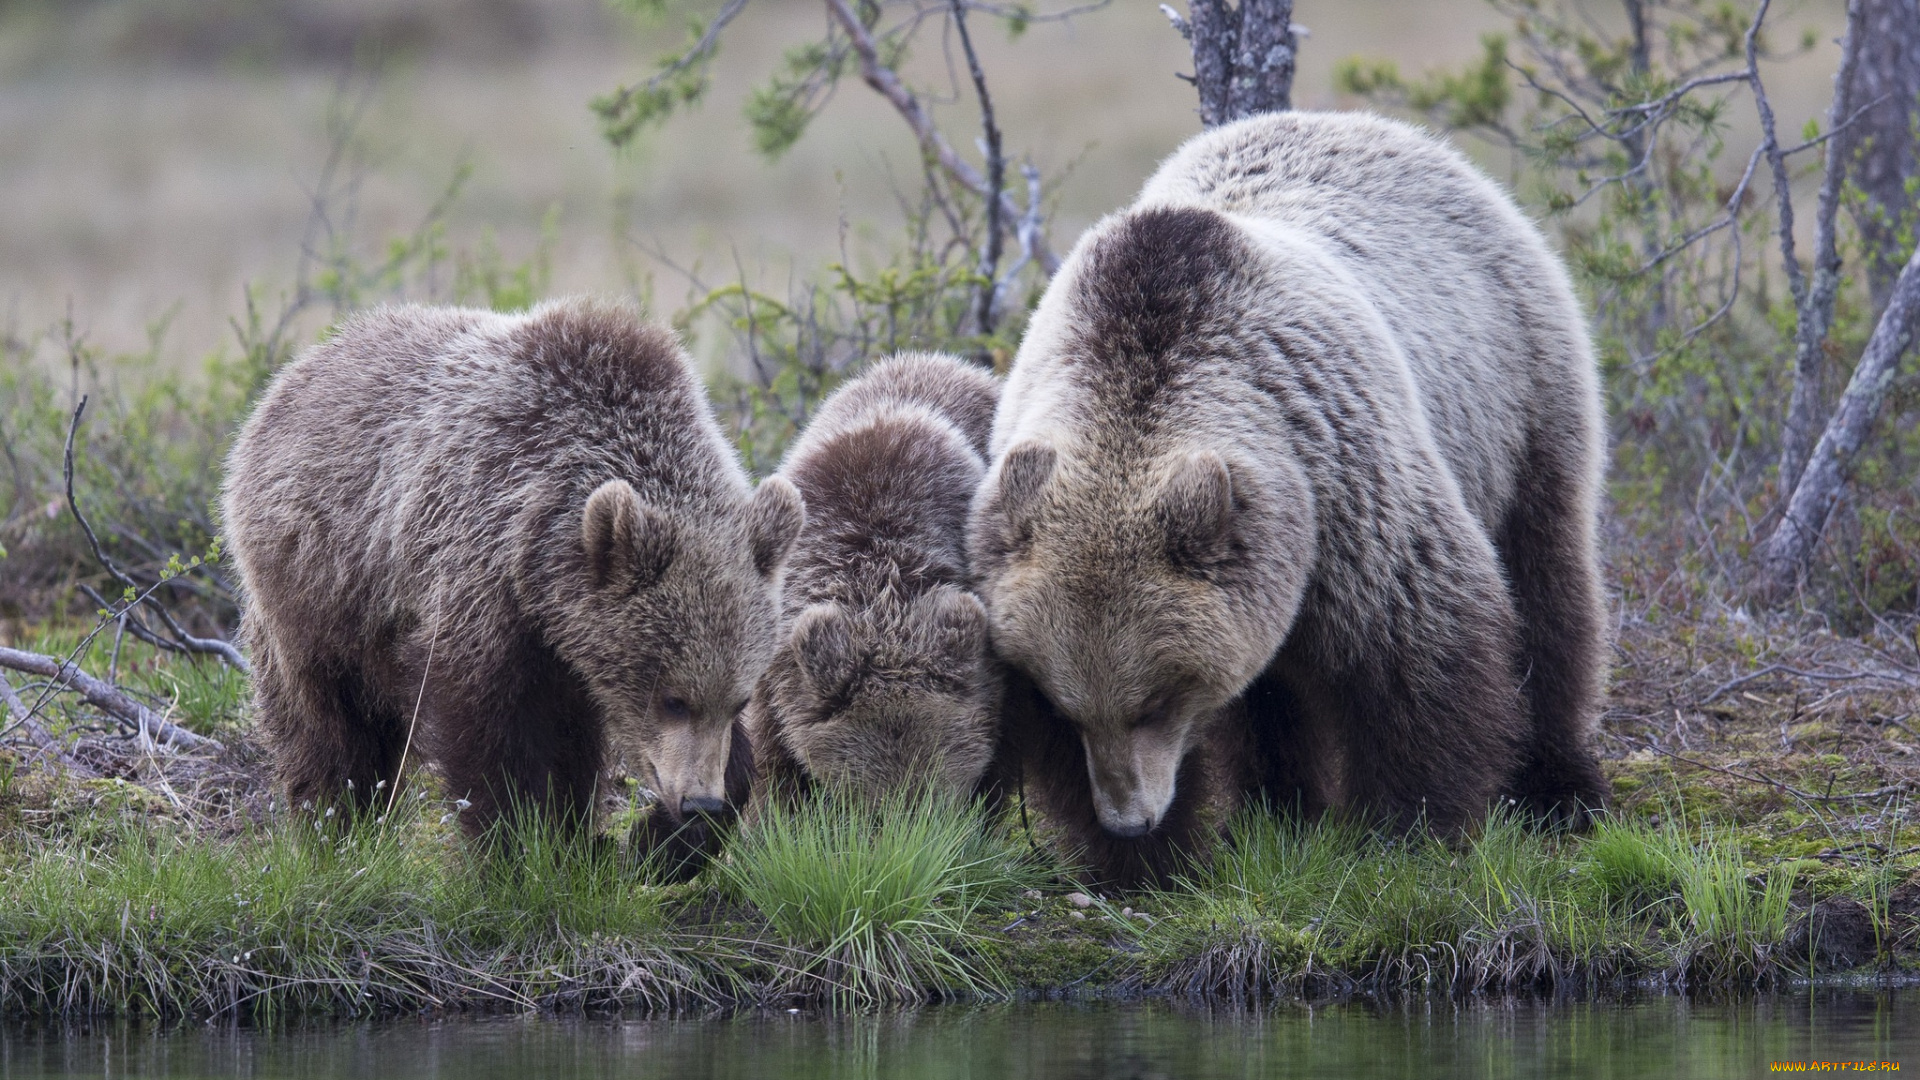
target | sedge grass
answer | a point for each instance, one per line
(1289, 902)
(378, 916)
(877, 903)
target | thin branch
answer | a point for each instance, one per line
(1027, 232)
(1877, 793)
(886, 82)
(187, 642)
(1770, 669)
(996, 173)
(107, 699)
(36, 731)
(702, 50)
(1813, 300)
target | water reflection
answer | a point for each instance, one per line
(1430, 1038)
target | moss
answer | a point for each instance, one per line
(1057, 953)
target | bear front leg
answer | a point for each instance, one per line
(526, 741)
(1414, 680)
(331, 741)
(1547, 546)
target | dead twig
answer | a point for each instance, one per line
(1877, 793)
(1770, 669)
(42, 738)
(106, 698)
(182, 640)
(887, 83)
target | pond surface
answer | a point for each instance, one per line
(1654, 1036)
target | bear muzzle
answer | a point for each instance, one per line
(689, 769)
(1131, 796)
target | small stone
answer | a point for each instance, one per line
(1080, 900)
(1081, 915)
(1126, 911)
(1030, 894)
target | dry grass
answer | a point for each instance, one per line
(154, 169)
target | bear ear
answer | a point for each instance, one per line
(1023, 472)
(823, 643)
(949, 622)
(774, 518)
(629, 544)
(1004, 520)
(1196, 511)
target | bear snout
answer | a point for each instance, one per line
(706, 805)
(1127, 829)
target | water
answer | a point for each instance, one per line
(1663, 1036)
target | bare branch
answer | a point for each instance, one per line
(886, 82)
(1820, 485)
(1813, 300)
(1027, 232)
(108, 699)
(43, 739)
(996, 174)
(186, 641)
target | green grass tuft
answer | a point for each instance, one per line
(876, 903)
(385, 915)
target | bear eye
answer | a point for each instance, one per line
(675, 707)
(1155, 713)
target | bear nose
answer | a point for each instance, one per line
(703, 804)
(1130, 829)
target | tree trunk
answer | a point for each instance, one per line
(1242, 56)
(1815, 291)
(1791, 546)
(1883, 138)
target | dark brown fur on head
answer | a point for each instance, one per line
(883, 678)
(518, 546)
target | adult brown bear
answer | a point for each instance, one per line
(515, 545)
(1295, 487)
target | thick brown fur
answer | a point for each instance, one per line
(1307, 441)
(883, 679)
(515, 546)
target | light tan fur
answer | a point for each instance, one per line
(1318, 411)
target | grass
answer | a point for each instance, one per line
(1292, 907)
(881, 903)
(380, 916)
(170, 885)
(108, 904)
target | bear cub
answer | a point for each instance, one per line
(882, 679)
(517, 546)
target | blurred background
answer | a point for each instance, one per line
(158, 157)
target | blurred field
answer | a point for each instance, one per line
(157, 155)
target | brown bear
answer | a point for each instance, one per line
(882, 679)
(1306, 443)
(514, 545)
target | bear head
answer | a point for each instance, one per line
(903, 694)
(672, 624)
(1141, 595)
